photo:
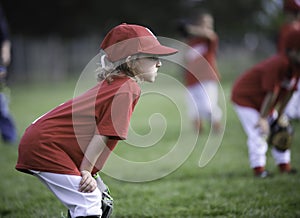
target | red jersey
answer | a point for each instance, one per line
(201, 60)
(274, 74)
(56, 141)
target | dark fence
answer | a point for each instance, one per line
(55, 59)
(50, 58)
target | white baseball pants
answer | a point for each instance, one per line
(65, 188)
(293, 108)
(203, 101)
(257, 145)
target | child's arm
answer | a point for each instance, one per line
(284, 103)
(202, 32)
(93, 151)
(262, 122)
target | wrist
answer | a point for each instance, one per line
(85, 171)
(262, 118)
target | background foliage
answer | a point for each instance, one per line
(77, 17)
(54, 40)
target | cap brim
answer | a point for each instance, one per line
(160, 50)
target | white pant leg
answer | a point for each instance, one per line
(281, 157)
(292, 109)
(203, 101)
(257, 145)
(192, 99)
(211, 98)
(65, 188)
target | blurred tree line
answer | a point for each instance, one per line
(53, 39)
(69, 18)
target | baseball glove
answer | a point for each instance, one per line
(280, 135)
(107, 204)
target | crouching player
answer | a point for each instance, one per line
(67, 146)
(263, 89)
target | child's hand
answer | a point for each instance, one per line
(87, 183)
(210, 34)
(264, 127)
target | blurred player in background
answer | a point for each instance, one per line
(202, 75)
(66, 147)
(260, 91)
(7, 126)
(292, 17)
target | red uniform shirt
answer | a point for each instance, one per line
(56, 141)
(272, 75)
(201, 60)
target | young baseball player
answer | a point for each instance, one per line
(202, 75)
(68, 145)
(264, 88)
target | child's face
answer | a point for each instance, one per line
(147, 68)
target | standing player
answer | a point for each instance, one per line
(292, 15)
(202, 75)
(7, 126)
(258, 92)
(68, 145)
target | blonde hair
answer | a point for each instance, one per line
(107, 70)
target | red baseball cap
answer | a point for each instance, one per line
(292, 5)
(292, 38)
(128, 39)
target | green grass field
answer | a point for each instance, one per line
(224, 187)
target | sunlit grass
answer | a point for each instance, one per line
(224, 187)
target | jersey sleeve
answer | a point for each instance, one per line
(115, 120)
